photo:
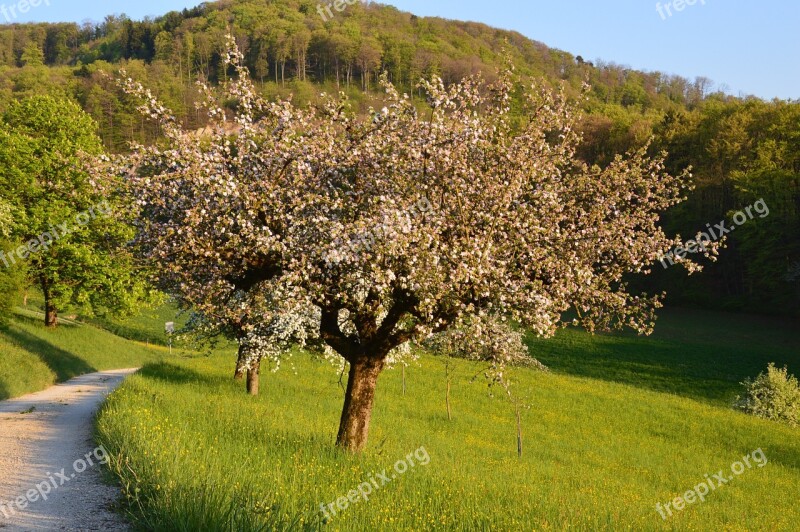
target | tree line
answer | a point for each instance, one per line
(740, 149)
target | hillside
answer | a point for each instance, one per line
(32, 357)
(289, 49)
(741, 150)
(286, 40)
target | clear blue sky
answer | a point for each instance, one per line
(749, 47)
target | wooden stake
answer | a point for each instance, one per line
(519, 434)
(449, 416)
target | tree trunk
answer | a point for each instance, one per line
(50, 310)
(447, 401)
(50, 315)
(253, 378)
(519, 434)
(358, 402)
(241, 369)
(447, 393)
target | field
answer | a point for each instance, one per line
(620, 425)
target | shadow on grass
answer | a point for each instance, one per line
(129, 332)
(786, 456)
(4, 393)
(684, 367)
(172, 374)
(64, 364)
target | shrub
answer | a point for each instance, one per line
(772, 395)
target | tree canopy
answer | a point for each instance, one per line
(66, 233)
(737, 146)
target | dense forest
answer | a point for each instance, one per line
(741, 149)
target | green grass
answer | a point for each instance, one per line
(620, 425)
(147, 327)
(33, 358)
(697, 354)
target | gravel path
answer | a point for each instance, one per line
(49, 466)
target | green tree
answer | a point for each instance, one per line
(164, 46)
(32, 55)
(71, 228)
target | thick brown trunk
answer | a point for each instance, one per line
(253, 377)
(358, 402)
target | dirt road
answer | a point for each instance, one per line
(49, 466)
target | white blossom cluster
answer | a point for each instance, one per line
(274, 340)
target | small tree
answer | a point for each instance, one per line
(516, 225)
(71, 229)
(262, 328)
(772, 395)
(483, 339)
(489, 339)
(503, 348)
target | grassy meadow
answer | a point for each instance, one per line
(33, 358)
(619, 425)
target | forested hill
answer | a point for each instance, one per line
(741, 150)
(289, 41)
